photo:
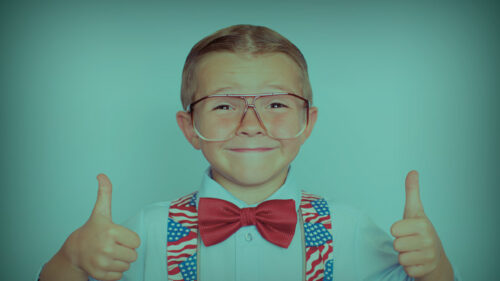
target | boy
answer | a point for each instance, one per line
(247, 101)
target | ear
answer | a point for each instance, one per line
(313, 115)
(186, 125)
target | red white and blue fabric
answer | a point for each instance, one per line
(318, 238)
(182, 238)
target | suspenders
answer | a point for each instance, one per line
(183, 240)
(317, 227)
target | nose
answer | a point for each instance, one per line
(250, 124)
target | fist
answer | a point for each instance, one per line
(100, 248)
(417, 242)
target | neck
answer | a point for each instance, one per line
(255, 193)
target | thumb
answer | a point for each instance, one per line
(413, 204)
(103, 202)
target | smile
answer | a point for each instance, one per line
(259, 149)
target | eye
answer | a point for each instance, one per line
(278, 105)
(222, 107)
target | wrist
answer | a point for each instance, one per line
(59, 268)
(66, 261)
(68, 253)
(443, 272)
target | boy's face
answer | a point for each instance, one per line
(232, 160)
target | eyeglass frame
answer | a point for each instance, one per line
(243, 97)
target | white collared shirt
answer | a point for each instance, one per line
(362, 250)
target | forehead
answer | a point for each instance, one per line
(244, 73)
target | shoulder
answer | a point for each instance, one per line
(156, 209)
(352, 225)
(150, 215)
(343, 212)
(345, 219)
(362, 248)
(153, 213)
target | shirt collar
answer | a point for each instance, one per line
(212, 189)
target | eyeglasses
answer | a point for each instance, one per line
(218, 117)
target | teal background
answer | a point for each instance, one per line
(400, 85)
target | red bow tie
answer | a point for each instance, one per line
(275, 220)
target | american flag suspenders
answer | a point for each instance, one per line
(183, 240)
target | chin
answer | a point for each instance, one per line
(251, 175)
(252, 180)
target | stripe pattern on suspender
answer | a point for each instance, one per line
(182, 238)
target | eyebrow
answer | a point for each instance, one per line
(278, 87)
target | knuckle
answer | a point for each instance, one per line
(118, 276)
(431, 255)
(138, 240)
(111, 232)
(102, 262)
(101, 275)
(398, 245)
(134, 239)
(394, 229)
(107, 249)
(395, 244)
(401, 259)
(111, 276)
(416, 271)
(427, 242)
(92, 271)
(433, 266)
(422, 226)
(411, 271)
(427, 226)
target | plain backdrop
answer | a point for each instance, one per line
(89, 88)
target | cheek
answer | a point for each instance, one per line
(209, 149)
(290, 147)
(217, 157)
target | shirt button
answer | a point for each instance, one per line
(248, 236)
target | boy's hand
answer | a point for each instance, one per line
(101, 248)
(420, 250)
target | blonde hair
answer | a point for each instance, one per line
(246, 39)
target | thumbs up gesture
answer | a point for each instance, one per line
(420, 249)
(101, 248)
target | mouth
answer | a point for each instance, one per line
(258, 149)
